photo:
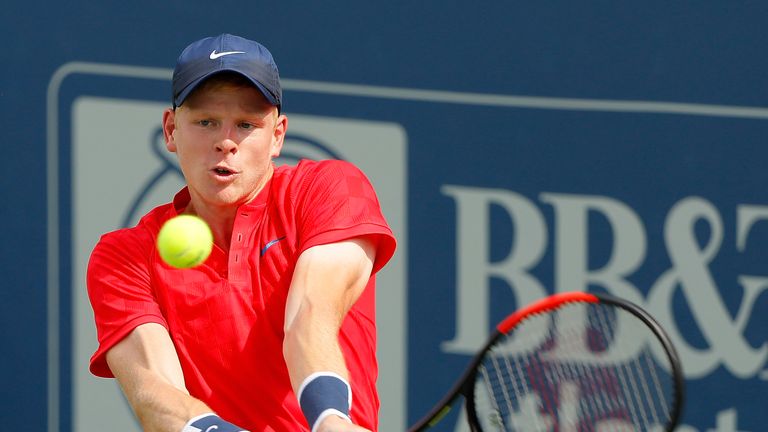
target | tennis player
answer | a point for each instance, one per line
(275, 331)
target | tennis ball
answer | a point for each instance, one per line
(184, 241)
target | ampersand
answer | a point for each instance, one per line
(691, 274)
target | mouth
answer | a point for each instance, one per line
(222, 171)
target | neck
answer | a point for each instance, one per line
(221, 218)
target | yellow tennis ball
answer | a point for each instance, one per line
(184, 241)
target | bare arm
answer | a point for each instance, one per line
(327, 281)
(147, 367)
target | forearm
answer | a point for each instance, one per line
(311, 345)
(159, 405)
(148, 370)
(327, 281)
(313, 356)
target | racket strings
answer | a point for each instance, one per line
(569, 380)
(625, 377)
(642, 371)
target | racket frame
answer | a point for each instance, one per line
(464, 386)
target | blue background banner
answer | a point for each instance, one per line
(520, 149)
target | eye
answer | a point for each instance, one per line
(247, 126)
(205, 123)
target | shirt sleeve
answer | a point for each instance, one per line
(120, 292)
(339, 204)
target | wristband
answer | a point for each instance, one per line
(210, 422)
(323, 394)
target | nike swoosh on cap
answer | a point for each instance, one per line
(214, 55)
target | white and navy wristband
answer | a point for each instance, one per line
(323, 394)
(210, 422)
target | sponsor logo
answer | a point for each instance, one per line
(689, 277)
(214, 55)
(270, 244)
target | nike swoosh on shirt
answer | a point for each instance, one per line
(269, 245)
(214, 55)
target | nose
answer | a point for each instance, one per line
(226, 146)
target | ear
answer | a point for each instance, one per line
(281, 126)
(169, 128)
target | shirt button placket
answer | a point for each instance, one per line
(237, 247)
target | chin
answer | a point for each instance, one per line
(225, 196)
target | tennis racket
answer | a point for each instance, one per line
(571, 362)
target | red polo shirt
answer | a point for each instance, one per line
(226, 316)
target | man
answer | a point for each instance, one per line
(275, 330)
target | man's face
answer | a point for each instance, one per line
(225, 137)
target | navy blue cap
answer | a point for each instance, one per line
(226, 52)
